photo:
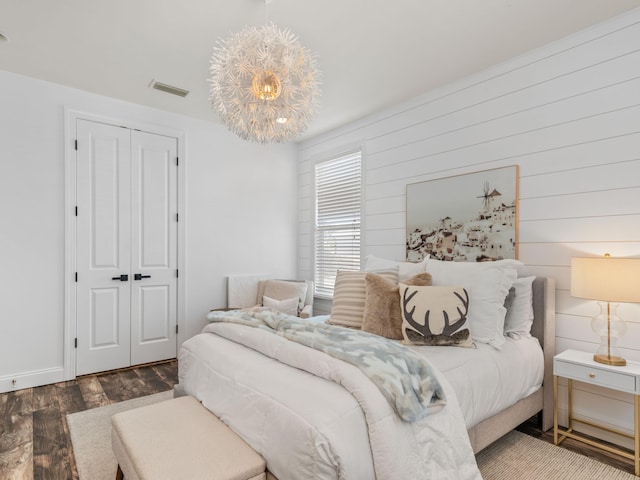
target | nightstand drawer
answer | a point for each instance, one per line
(617, 380)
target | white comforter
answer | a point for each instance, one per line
(271, 406)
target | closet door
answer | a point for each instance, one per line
(126, 247)
(103, 257)
(154, 235)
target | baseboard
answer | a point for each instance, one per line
(31, 379)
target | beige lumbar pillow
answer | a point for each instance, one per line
(349, 294)
(382, 304)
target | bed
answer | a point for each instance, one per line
(256, 395)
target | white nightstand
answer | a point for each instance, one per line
(575, 365)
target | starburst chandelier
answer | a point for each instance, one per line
(264, 84)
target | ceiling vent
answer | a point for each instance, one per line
(163, 87)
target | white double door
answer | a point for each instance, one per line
(126, 247)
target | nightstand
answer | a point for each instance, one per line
(576, 365)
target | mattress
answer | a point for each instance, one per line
(267, 404)
(256, 396)
(487, 380)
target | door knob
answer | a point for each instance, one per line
(122, 278)
(139, 276)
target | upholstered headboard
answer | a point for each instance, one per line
(544, 329)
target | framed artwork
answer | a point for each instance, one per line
(471, 217)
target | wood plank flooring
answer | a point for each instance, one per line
(34, 437)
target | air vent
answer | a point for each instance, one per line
(163, 87)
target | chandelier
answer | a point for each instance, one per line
(264, 84)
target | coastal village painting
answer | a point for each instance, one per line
(471, 218)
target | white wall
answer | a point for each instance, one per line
(569, 115)
(240, 217)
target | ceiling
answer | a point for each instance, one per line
(372, 53)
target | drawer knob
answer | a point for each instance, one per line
(592, 375)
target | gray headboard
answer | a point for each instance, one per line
(544, 329)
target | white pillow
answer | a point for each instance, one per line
(349, 294)
(406, 270)
(285, 289)
(519, 318)
(488, 284)
(288, 306)
(520, 267)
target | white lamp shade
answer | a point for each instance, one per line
(606, 279)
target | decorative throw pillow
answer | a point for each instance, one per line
(406, 270)
(288, 306)
(349, 293)
(285, 289)
(382, 304)
(519, 316)
(488, 284)
(435, 315)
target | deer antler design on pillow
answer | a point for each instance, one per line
(446, 329)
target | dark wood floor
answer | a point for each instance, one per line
(34, 436)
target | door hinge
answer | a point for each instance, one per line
(177, 217)
(177, 273)
(76, 276)
(75, 342)
(176, 328)
(76, 145)
(76, 210)
(177, 161)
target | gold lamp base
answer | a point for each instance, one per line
(610, 360)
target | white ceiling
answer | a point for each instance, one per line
(372, 53)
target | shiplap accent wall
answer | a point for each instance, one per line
(569, 115)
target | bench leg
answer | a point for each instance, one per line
(119, 474)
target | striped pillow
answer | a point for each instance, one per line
(349, 295)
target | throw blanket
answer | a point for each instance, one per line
(435, 446)
(404, 378)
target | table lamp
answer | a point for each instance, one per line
(607, 280)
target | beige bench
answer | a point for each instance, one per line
(177, 440)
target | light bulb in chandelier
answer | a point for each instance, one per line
(266, 86)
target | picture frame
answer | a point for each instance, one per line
(469, 217)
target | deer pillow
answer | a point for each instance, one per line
(435, 315)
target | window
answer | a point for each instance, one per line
(338, 188)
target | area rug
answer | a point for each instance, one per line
(91, 436)
(522, 457)
(515, 456)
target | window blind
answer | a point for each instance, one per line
(338, 187)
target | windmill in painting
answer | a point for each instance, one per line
(464, 218)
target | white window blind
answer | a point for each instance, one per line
(338, 185)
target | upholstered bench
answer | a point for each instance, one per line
(179, 439)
